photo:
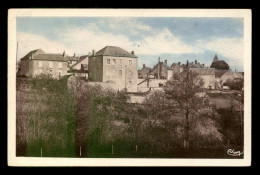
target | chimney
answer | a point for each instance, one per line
(203, 65)
(133, 52)
(195, 61)
(63, 54)
(179, 63)
(93, 52)
(165, 61)
(143, 65)
(74, 55)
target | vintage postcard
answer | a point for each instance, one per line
(129, 87)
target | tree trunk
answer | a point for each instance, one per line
(186, 142)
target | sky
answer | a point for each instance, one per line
(173, 38)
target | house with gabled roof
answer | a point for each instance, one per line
(114, 65)
(37, 62)
(81, 67)
(144, 72)
(161, 70)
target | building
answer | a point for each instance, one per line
(23, 66)
(160, 70)
(114, 65)
(144, 72)
(37, 62)
(219, 64)
(207, 75)
(81, 67)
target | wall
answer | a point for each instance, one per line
(128, 78)
(45, 68)
(152, 85)
(95, 68)
(24, 68)
(169, 74)
(209, 80)
(105, 85)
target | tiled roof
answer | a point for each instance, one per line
(39, 51)
(114, 51)
(81, 58)
(220, 73)
(220, 65)
(146, 68)
(203, 71)
(55, 57)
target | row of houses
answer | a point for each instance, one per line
(116, 68)
(111, 66)
(214, 77)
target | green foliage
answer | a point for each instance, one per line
(48, 117)
(53, 118)
(234, 85)
(230, 126)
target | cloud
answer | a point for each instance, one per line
(28, 42)
(129, 34)
(164, 42)
(82, 40)
(231, 48)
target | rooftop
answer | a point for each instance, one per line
(55, 57)
(114, 51)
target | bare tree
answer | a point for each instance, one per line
(185, 89)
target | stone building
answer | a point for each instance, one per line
(23, 66)
(37, 62)
(160, 70)
(207, 75)
(144, 72)
(115, 66)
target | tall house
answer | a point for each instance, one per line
(37, 62)
(114, 65)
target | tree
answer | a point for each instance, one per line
(185, 89)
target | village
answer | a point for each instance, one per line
(113, 67)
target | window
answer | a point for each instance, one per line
(130, 62)
(40, 64)
(120, 61)
(108, 61)
(51, 64)
(114, 61)
(120, 72)
(60, 65)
